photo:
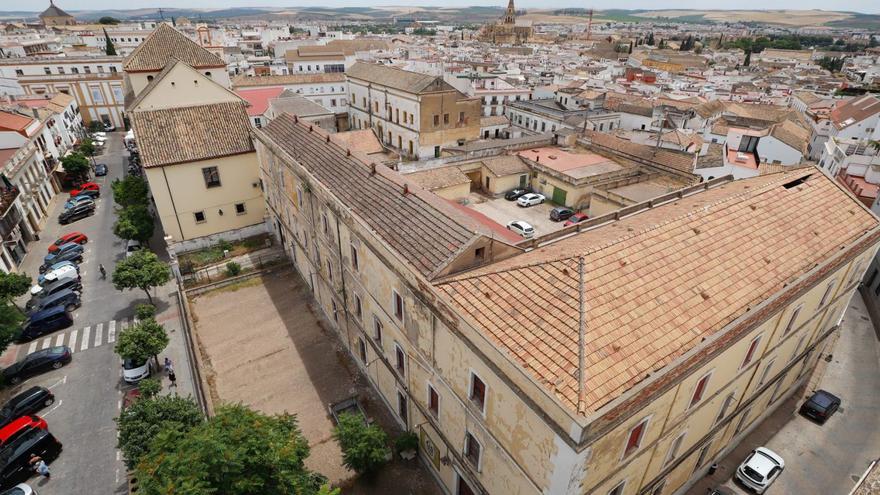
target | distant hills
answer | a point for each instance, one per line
(476, 15)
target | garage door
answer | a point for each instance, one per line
(559, 196)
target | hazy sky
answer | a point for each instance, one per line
(866, 6)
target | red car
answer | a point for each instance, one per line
(19, 426)
(88, 186)
(576, 218)
(77, 237)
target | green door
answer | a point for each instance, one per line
(559, 196)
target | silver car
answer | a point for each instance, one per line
(530, 199)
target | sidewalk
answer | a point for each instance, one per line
(169, 315)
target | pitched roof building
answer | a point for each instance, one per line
(54, 16)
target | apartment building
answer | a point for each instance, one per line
(417, 114)
(494, 92)
(549, 115)
(96, 83)
(619, 360)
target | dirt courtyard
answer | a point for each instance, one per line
(263, 346)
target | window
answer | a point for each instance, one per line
(472, 450)
(725, 406)
(47, 70)
(377, 331)
(299, 197)
(800, 346)
(97, 95)
(358, 308)
(436, 120)
(401, 405)
(329, 270)
(324, 223)
(113, 70)
(461, 117)
(765, 373)
(827, 294)
(200, 216)
(704, 452)
(60, 70)
(617, 490)
(673, 449)
(791, 321)
(101, 69)
(212, 177)
(742, 422)
(19, 72)
(117, 94)
(362, 349)
(88, 70)
(635, 438)
(355, 262)
(477, 393)
(335, 311)
(445, 118)
(433, 401)
(777, 388)
(751, 352)
(399, 360)
(699, 390)
(398, 305)
(240, 209)
(480, 252)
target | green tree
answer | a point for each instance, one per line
(76, 165)
(13, 285)
(650, 40)
(144, 311)
(139, 423)
(236, 452)
(108, 20)
(149, 387)
(364, 447)
(130, 191)
(748, 60)
(10, 324)
(142, 341)
(109, 49)
(134, 222)
(96, 126)
(87, 147)
(142, 270)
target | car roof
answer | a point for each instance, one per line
(61, 294)
(16, 425)
(764, 460)
(824, 394)
(21, 396)
(47, 312)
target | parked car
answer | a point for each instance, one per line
(561, 213)
(760, 469)
(45, 321)
(76, 213)
(132, 246)
(88, 193)
(820, 406)
(14, 429)
(514, 194)
(72, 257)
(530, 199)
(100, 170)
(56, 266)
(109, 127)
(20, 489)
(65, 273)
(61, 255)
(71, 238)
(15, 458)
(58, 272)
(134, 371)
(53, 287)
(27, 402)
(86, 186)
(98, 134)
(37, 362)
(78, 200)
(575, 219)
(69, 299)
(521, 228)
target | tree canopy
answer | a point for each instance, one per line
(142, 270)
(108, 20)
(87, 147)
(134, 222)
(10, 324)
(364, 447)
(236, 452)
(13, 285)
(146, 417)
(76, 164)
(142, 341)
(109, 49)
(130, 191)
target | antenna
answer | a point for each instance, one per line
(590, 25)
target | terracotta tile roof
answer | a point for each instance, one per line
(494, 120)
(364, 141)
(657, 282)
(439, 178)
(14, 122)
(683, 162)
(259, 99)
(186, 134)
(164, 43)
(404, 80)
(244, 81)
(505, 165)
(791, 134)
(421, 227)
(855, 110)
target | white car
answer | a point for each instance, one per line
(131, 247)
(530, 199)
(109, 127)
(760, 469)
(133, 372)
(521, 228)
(21, 489)
(67, 271)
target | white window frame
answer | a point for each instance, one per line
(791, 319)
(394, 297)
(397, 347)
(358, 307)
(747, 359)
(674, 447)
(473, 374)
(377, 336)
(647, 422)
(775, 395)
(362, 344)
(725, 404)
(828, 290)
(428, 388)
(707, 376)
(766, 372)
(464, 450)
(618, 488)
(797, 349)
(741, 424)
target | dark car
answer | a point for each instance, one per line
(100, 170)
(820, 406)
(561, 213)
(45, 321)
(27, 402)
(67, 298)
(38, 362)
(15, 458)
(61, 255)
(514, 194)
(77, 212)
(88, 193)
(54, 288)
(73, 255)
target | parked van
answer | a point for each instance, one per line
(52, 288)
(45, 321)
(67, 298)
(65, 273)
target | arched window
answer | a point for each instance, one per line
(208, 74)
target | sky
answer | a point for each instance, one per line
(865, 6)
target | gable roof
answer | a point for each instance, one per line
(186, 134)
(14, 122)
(53, 11)
(648, 300)
(172, 64)
(258, 98)
(854, 111)
(244, 81)
(404, 80)
(791, 134)
(165, 43)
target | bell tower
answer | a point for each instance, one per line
(510, 14)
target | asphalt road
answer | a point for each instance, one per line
(89, 390)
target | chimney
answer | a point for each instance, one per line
(36, 113)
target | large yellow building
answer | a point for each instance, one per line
(507, 30)
(619, 360)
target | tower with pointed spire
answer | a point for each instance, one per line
(54, 16)
(510, 14)
(507, 30)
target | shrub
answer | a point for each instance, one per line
(406, 441)
(364, 448)
(145, 311)
(224, 245)
(149, 387)
(233, 269)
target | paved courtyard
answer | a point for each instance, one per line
(264, 346)
(503, 211)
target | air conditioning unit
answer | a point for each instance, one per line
(742, 157)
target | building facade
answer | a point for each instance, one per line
(594, 379)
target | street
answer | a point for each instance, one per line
(827, 458)
(89, 390)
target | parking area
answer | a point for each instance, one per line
(503, 211)
(276, 356)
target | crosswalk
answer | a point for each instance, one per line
(82, 339)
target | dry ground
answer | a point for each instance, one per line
(789, 17)
(264, 346)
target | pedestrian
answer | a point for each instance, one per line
(39, 465)
(103, 271)
(172, 377)
(168, 365)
